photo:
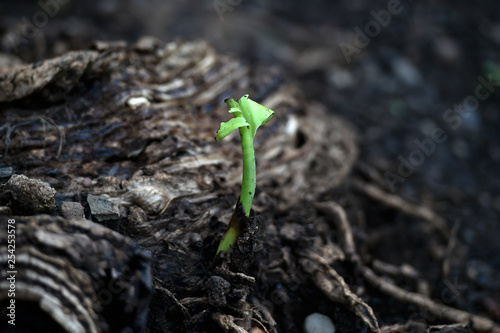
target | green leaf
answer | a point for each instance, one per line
(229, 126)
(255, 114)
(236, 112)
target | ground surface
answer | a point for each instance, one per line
(398, 89)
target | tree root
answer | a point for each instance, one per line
(335, 288)
(266, 314)
(171, 295)
(26, 144)
(478, 323)
(435, 309)
(226, 322)
(406, 207)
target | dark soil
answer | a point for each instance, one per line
(397, 214)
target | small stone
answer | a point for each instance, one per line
(447, 49)
(72, 210)
(102, 209)
(407, 72)
(256, 330)
(318, 323)
(135, 102)
(6, 172)
(147, 43)
(30, 196)
(5, 211)
(341, 78)
(87, 182)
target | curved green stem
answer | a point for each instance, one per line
(249, 115)
(249, 178)
(230, 237)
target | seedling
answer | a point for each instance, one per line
(248, 116)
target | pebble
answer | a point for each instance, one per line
(87, 182)
(318, 323)
(6, 172)
(72, 210)
(4, 210)
(341, 78)
(256, 330)
(102, 209)
(30, 196)
(135, 102)
(407, 72)
(447, 49)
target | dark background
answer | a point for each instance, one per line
(395, 91)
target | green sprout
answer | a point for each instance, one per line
(248, 116)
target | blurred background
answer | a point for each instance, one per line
(397, 70)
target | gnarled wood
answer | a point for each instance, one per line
(133, 129)
(74, 276)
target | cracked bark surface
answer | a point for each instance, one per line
(74, 276)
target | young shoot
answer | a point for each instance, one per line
(248, 116)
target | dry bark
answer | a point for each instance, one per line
(127, 131)
(74, 276)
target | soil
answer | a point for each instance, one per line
(379, 211)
